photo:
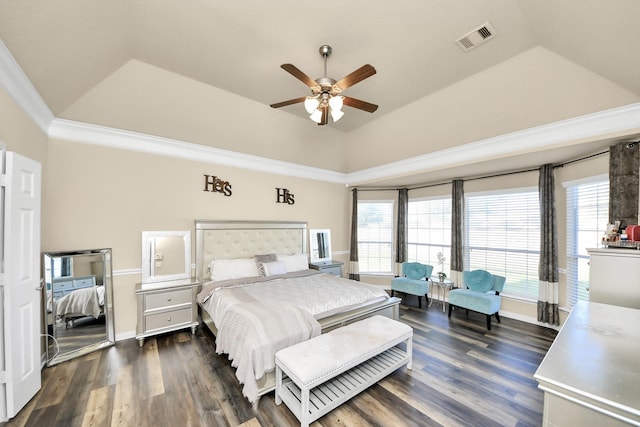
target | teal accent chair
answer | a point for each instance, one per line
(481, 294)
(414, 280)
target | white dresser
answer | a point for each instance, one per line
(614, 276)
(590, 375)
(165, 307)
(64, 285)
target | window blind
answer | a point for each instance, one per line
(587, 218)
(375, 236)
(503, 237)
(429, 232)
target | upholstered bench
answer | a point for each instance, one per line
(315, 376)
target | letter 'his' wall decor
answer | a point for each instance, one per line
(284, 196)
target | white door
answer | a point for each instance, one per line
(21, 280)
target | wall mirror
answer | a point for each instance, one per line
(166, 255)
(78, 307)
(320, 245)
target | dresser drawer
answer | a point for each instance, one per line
(67, 285)
(167, 319)
(167, 299)
(82, 283)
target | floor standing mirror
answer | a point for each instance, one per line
(79, 303)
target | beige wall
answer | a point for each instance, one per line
(100, 197)
(18, 132)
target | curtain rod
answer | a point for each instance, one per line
(559, 165)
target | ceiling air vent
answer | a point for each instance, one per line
(476, 37)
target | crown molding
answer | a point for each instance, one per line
(133, 141)
(565, 132)
(18, 85)
(571, 131)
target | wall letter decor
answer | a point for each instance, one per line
(283, 196)
(216, 185)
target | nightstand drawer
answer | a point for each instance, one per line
(336, 271)
(165, 307)
(168, 319)
(167, 299)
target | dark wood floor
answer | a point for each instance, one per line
(463, 375)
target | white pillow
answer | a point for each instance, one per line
(225, 269)
(273, 268)
(294, 262)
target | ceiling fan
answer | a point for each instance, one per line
(326, 93)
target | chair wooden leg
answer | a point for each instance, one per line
(488, 321)
(419, 301)
(450, 308)
(392, 291)
(497, 317)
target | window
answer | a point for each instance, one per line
(503, 237)
(375, 236)
(430, 232)
(587, 218)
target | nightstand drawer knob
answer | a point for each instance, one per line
(169, 299)
(168, 319)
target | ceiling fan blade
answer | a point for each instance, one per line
(295, 72)
(289, 102)
(353, 78)
(361, 105)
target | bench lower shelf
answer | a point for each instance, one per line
(332, 393)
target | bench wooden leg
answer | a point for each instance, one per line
(419, 301)
(304, 408)
(278, 384)
(497, 317)
(450, 309)
(488, 321)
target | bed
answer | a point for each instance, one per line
(83, 302)
(255, 315)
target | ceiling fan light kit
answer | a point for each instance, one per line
(326, 93)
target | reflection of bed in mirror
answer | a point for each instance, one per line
(78, 302)
(306, 301)
(75, 297)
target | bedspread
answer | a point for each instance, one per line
(85, 301)
(257, 317)
(252, 333)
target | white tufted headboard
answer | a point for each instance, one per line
(244, 239)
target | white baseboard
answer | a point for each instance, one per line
(527, 319)
(125, 335)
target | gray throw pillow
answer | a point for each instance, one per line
(261, 259)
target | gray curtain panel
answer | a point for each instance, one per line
(354, 272)
(624, 170)
(548, 267)
(402, 229)
(457, 222)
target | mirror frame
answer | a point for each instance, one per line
(107, 282)
(147, 251)
(314, 252)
